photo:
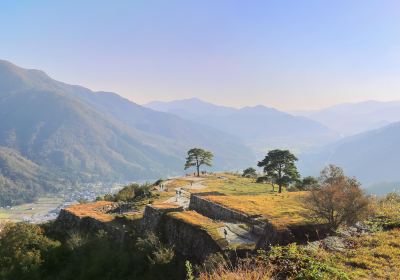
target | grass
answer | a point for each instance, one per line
(197, 220)
(177, 183)
(375, 256)
(231, 184)
(18, 213)
(387, 213)
(279, 209)
(165, 205)
(90, 210)
(165, 195)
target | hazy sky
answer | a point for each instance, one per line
(286, 54)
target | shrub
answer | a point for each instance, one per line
(387, 213)
(23, 249)
(281, 262)
(292, 262)
(307, 183)
(130, 193)
(249, 269)
(250, 173)
(156, 252)
(339, 199)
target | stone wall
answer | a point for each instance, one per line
(153, 215)
(68, 222)
(216, 211)
(266, 233)
(188, 240)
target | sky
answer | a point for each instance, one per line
(292, 55)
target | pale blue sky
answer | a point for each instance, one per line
(286, 54)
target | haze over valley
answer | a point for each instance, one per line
(86, 137)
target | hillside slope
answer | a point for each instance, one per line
(79, 135)
(372, 157)
(352, 118)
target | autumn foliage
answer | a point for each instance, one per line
(338, 199)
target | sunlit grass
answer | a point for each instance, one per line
(195, 219)
(231, 184)
(280, 209)
(178, 183)
(91, 210)
(375, 256)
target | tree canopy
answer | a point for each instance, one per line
(279, 166)
(250, 173)
(339, 199)
(307, 183)
(198, 157)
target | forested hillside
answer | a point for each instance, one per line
(73, 134)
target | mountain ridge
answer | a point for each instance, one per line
(260, 127)
(353, 118)
(81, 135)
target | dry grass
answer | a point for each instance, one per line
(197, 220)
(165, 205)
(279, 209)
(244, 271)
(387, 210)
(133, 216)
(375, 256)
(231, 184)
(177, 183)
(91, 210)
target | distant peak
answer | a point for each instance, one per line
(257, 108)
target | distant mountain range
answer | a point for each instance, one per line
(260, 127)
(352, 118)
(53, 134)
(373, 157)
(371, 150)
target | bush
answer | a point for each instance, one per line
(292, 262)
(156, 252)
(245, 269)
(281, 262)
(387, 213)
(307, 183)
(23, 248)
(131, 193)
(250, 173)
(339, 199)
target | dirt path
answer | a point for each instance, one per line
(182, 197)
(237, 233)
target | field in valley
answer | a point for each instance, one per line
(29, 210)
